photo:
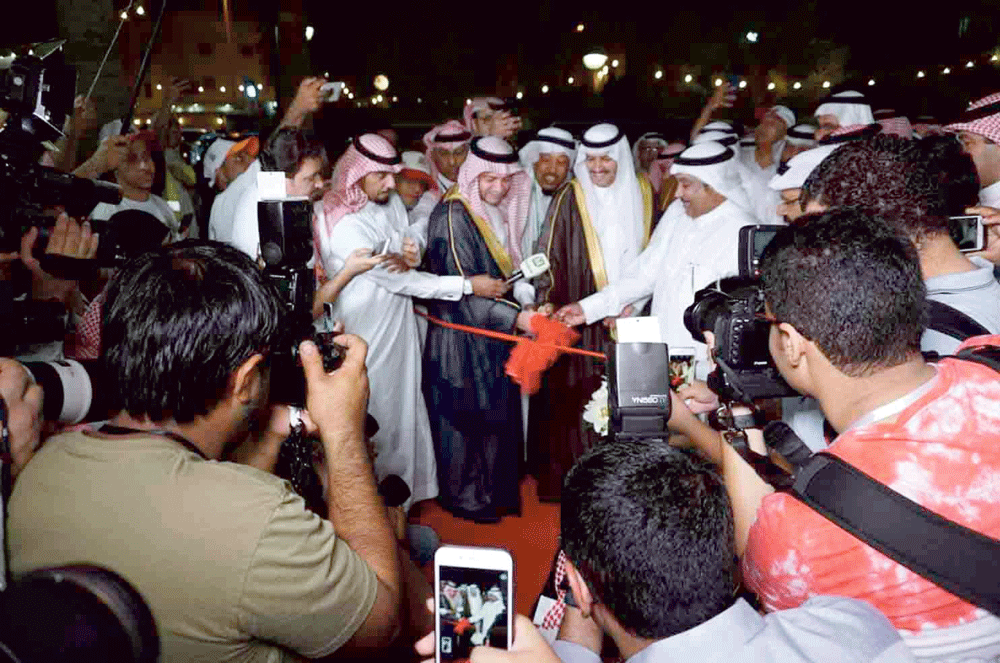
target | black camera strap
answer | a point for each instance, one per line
(950, 321)
(952, 556)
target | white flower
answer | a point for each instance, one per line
(597, 413)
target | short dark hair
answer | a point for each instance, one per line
(888, 177)
(850, 283)
(954, 169)
(177, 322)
(650, 528)
(288, 148)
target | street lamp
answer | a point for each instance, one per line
(381, 82)
(595, 59)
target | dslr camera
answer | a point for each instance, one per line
(732, 309)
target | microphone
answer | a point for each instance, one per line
(531, 267)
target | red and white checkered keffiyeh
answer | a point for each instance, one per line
(346, 195)
(478, 104)
(988, 126)
(87, 341)
(449, 128)
(553, 618)
(514, 206)
(897, 126)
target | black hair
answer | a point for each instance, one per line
(852, 285)
(177, 322)
(650, 529)
(887, 176)
(954, 169)
(288, 148)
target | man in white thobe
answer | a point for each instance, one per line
(359, 213)
(695, 243)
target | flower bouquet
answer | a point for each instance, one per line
(597, 412)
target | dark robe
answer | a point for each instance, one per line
(557, 434)
(474, 408)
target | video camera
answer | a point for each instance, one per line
(37, 95)
(730, 309)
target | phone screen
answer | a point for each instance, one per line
(473, 610)
(967, 232)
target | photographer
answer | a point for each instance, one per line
(911, 185)
(227, 556)
(845, 301)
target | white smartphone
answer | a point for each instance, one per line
(473, 591)
(968, 232)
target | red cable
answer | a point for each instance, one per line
(500, 336)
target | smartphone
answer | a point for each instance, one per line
(968, 232)
(331, 90)
(473, 592)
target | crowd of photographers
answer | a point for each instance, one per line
(863, 299)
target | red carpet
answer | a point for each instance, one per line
(532, 539)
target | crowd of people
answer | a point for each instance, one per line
(672, 548)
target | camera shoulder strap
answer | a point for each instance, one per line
(956, 558)
(952, 322)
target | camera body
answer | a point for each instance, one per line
(285, 228)
(731, 310)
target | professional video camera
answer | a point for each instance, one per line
(37, 95)
(730, 309)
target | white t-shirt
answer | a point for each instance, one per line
(154, 205)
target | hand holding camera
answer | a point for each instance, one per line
(337, 401)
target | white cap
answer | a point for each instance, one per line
(413, 160)
(215, 155)
(799, 167)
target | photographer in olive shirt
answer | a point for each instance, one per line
(230, 561)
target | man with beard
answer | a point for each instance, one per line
(696, 243)
(359, 212)
(842, 109)
(475, 408)
(597, 225)
(979, 131)
(302, 159)
(546, 160)
(646, 149)
(447, 146)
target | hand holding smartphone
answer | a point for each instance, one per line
(473, 591)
